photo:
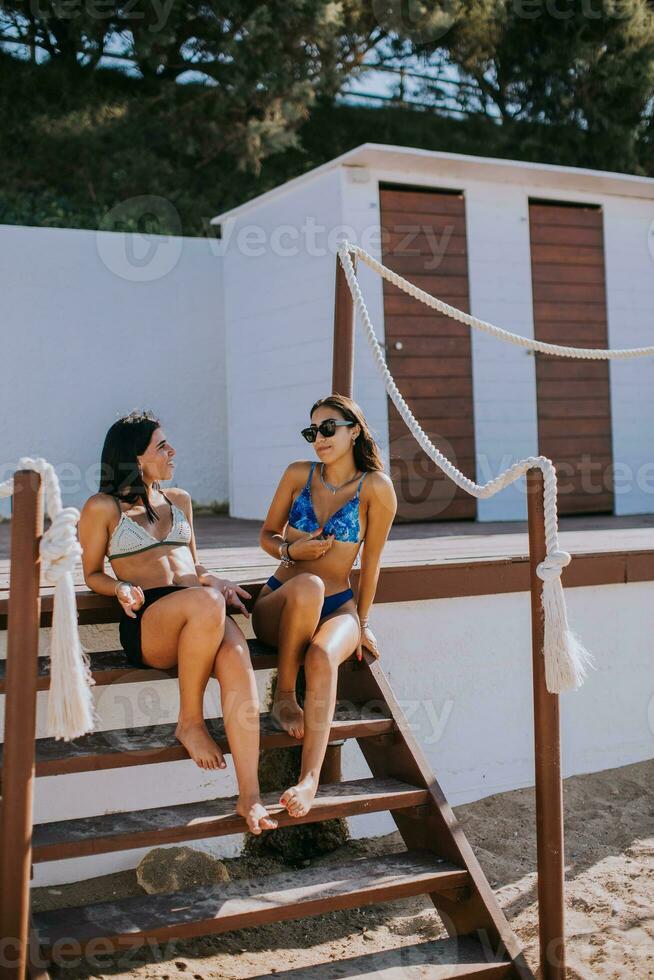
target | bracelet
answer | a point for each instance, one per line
(363, 623)
(284, 556)
(118, 585)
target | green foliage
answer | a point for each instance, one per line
(580, 72)
(82, 139)
(83, 145)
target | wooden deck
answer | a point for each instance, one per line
(452, 564)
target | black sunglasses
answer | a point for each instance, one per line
(326, 429)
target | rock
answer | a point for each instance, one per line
(171, 869)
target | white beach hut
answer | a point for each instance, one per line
(557, 253)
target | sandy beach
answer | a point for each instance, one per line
(609, 825)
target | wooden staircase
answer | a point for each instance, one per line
(437, 861)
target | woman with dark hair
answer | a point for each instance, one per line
(173, 611)
(307, 608)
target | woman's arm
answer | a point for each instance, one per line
(93, 533)
(382, 507)
(94, 537)
(274, 526)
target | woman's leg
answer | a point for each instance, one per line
(335, 640)
(186, 628)
(287, 619)
(240, 706)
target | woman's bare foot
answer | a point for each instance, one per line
(288, 714)
(298, 799)
(200, 746)
(255, 814)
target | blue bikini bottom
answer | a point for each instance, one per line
(331, 603)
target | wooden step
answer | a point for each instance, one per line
(439, 959)
(157, 743)
(111, 667)
(210, 818)
(248, 902)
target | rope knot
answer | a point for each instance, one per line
(60, 548)
(552, 566)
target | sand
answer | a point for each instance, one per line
(609, 824)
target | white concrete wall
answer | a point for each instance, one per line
(278, 310)
(95, 324)
(629, 250)
(461, 669)
(504, 377)
(361, 226)
(279, 307)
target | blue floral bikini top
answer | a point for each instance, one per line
(343, 524)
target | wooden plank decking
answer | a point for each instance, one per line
(450, 565)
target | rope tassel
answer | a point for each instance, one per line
(71, 710)
(566, 659)
(70, 702)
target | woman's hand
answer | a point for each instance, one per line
(310, 547)
(368, 641)
(232, 592)
(130, 597)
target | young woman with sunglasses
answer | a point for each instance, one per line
(173, 612)
(319, 517)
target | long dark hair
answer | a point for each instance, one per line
(366, 451)
(120, 476)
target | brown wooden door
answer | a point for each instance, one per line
(574, 405)
(429, 355)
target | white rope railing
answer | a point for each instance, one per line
(566, 659)
(586, 353)
(70, 702)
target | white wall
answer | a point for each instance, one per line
(504, 377)
(280, 265)
(461, 669)
(361, 226)
(629, 250)
(95, 324)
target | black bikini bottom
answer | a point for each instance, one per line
(130, 629)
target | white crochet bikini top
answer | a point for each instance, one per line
(130, 538)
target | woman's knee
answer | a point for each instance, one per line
(319, 662)
(207, 604)
(305, 589)
(233, 654)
